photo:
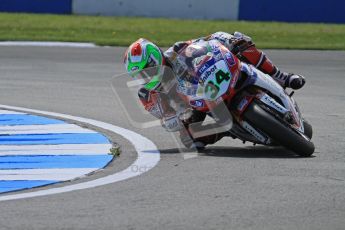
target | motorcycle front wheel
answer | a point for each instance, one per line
(281, 133)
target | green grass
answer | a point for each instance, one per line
(121, 31)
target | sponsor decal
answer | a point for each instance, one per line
(207, 73)
(197, 103)
(171, 124)
(234, 79)
(272, 103)
(207, 65)
(243, 104)
(155, 110)
(134, 68)
(254, 132)
(202, 69)
(230, 59)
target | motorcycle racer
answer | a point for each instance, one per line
(143, 54)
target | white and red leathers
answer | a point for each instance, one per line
(241, 46)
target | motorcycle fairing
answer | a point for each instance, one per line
(266, 82)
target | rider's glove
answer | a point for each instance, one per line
(239, 42)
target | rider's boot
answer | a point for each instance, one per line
(200, 142)
(186, 134)
(260, 60)
(289, 80)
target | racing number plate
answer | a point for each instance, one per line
(216, 81)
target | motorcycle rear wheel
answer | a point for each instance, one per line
(282, 134)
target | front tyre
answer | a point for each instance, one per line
(308, 129)
(284, 135)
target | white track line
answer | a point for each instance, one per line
(2, 112)
(45, 174)
(64, 149)
(48, 44)
(148, 157)
(43, 129)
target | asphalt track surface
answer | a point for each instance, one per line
(230, 186)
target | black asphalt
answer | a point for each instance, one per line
(231, 186)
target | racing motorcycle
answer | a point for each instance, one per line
(262, 112)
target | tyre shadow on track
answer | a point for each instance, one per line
(239, 152)
(249, 152)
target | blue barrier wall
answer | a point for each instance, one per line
(330, 11)
(37, 6)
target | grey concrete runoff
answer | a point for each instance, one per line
(230, 186)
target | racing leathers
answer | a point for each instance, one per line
(241, 46)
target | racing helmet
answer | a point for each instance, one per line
(142, 54)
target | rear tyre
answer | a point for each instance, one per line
(284, 135)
